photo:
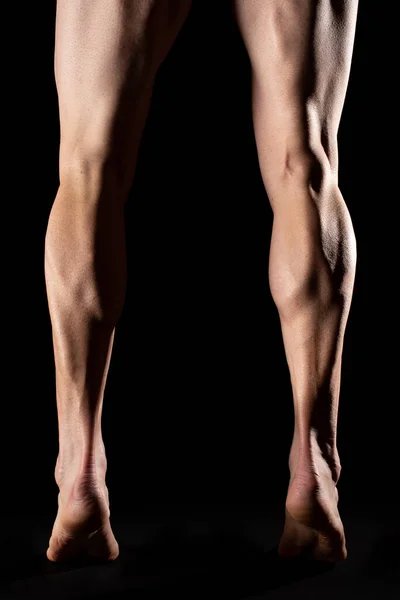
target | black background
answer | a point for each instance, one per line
(198, 406)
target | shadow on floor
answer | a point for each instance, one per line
(173, 563)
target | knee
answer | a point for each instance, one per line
(312, 177)
(93, 168)
(307, 168)
(313, 250)
(306, 158)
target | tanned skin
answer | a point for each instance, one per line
(107, 54)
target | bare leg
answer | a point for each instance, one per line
(107, 55)
(300, 54)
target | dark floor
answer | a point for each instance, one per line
(204, 552)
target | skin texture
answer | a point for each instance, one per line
(107, 54)
(300, 52)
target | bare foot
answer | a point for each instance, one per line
(313, 526)
(82, 527)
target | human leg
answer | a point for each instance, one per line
(300, 54)
(107, 54)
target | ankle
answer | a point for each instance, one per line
(312, 453)
(81, 460)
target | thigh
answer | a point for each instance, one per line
(107, 53)
(300, 52)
